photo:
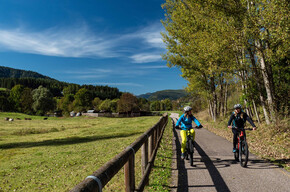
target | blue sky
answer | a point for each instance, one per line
(99, 42)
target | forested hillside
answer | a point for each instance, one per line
(33, 93)
(164, 94)
(8, 72)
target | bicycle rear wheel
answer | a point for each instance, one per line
(244, 153)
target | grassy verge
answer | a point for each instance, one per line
(270, 142)
(58, 153)
(161, 172)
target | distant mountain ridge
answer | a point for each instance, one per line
(7, 72)
(164, 94)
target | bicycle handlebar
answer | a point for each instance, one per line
(249, 129)
(177, 127)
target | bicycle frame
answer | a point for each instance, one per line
(189, 146)
(242, 148)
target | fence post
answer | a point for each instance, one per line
(130, 174)
(144, 153)
(151, 144)
(144, 160)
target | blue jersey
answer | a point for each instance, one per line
(186, 123)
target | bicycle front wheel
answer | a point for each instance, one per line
(243, 153)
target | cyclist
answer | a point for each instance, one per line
(185, 122)
(238, 120)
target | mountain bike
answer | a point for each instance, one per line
(242, 152)
(189, 150)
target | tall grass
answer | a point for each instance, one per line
(58, 153)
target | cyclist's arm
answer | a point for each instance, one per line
(196, 121)
(179, 121)
(250, 121)
(230, 121)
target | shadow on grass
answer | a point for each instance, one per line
(65, 141)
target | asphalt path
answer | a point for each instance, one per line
(216, 170)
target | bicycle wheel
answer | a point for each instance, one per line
(244, 153)
(191, 150)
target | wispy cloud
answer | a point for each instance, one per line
(145, 58)
(77, 42)
(90, 71)
(154, 67)
(118, 84)
(80, 41)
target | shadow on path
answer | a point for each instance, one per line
(216, 177)
(182, 172)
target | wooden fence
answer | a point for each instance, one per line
(149, 142)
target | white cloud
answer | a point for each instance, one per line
(118, 84)
(145, 58)
(80, 41)
(154, 67)
(89, 71)
(77, 42)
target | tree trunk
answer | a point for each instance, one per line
(259, 86)
(226, 100)
(264, 109)
(268, 81)
(221, 98)
(256, 112)
(210, 108)
(242, 75)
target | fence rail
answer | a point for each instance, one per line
(149, 142)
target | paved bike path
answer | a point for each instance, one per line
(216, 170)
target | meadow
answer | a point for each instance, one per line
(58, 153)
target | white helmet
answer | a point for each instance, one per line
(238, 106)
(187, 108)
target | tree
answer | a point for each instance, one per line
(128, 103)
(26, 101)
(155, 106)
(15, 97)
(114, 105)
(105, 105)
(96, 103)
(82, 100)
(43, 101)
(66, 103)
(214, 42)
(166, 104)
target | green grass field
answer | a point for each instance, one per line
(58, 153)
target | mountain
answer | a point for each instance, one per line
(165, 94)
(6, 72)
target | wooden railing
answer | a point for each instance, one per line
(149, 142)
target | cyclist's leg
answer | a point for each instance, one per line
(192, 133)
(183, 140)
(235, 138)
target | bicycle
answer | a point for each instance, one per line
(242, 152)
(189, 149)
